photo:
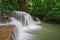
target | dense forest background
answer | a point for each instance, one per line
(45, 10)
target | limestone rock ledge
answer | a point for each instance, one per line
(6, 32)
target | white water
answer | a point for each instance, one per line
(24, 24)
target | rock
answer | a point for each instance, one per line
(6, 32)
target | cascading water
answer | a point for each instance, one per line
(25, 25)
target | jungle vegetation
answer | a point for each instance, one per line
(45, 10)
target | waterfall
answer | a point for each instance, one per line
(24, 24)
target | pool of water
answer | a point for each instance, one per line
(48, 32)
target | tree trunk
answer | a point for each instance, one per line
(22, 5)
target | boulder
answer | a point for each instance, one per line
(6, 32)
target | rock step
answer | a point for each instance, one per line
(6, 32)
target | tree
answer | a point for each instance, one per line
(22, 5)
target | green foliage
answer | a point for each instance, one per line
(47, 10)
(29, 7)
(52, 16)
(10, 4)
(7, 6)
(40, 8)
